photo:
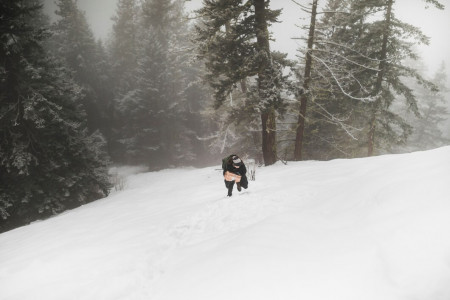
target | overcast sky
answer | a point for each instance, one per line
(433, 22)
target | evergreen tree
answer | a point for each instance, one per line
(74, 41)
(427, 130)
(306, 83)
(339, 83)
(393, 47)
(234, 42)
(155, 106)
(103, 86)
(123, 61)
(48, 162)
(199, 120)
(188, 94)
(358, 63)
(123, 44)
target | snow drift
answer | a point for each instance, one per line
(372, 228)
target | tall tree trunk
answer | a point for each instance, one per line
(268, 140)
(269, 148)
(376, 105)
(307, 79)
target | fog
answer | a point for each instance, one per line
(72, 107)
(433, 22)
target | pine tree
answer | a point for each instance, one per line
(359, 74)
(155, 105)
(123, 43)
(427, 128)
(103, 85)
(338, 90)
(48, 162)
(199, 120)
(74, 42)
(306, 83)
(234, 42)
(123, 60)
(392, 50)
(186, 109)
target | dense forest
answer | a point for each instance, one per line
(167, 90)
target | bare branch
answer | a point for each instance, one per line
(334, 120)
(332, 145)
(348, 48)
(307, 9)
(349, 60)
(364, 99)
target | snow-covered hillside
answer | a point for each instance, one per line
(375, 228)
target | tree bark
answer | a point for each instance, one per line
(307, 79)
(378, 85)
(268, 139)
(268, 114)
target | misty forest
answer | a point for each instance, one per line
(171, 89)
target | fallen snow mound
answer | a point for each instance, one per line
(372, 228)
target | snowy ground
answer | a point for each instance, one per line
(376, 228)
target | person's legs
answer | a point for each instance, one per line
(229, 185)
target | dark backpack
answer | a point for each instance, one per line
(226, 160)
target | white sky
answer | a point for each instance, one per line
(433, 22)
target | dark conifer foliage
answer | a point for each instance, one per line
(391, 42)
(358, 73)
(48, 161)
(150, 101)
(123, 61)
(428, 127)
(234, 42)
(74, 42)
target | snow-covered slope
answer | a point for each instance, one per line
(375, 228)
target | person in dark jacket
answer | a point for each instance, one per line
(236, 166)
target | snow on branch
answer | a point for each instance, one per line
(348, 48)
(349, 60)
(364, 99)
(334, 120)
